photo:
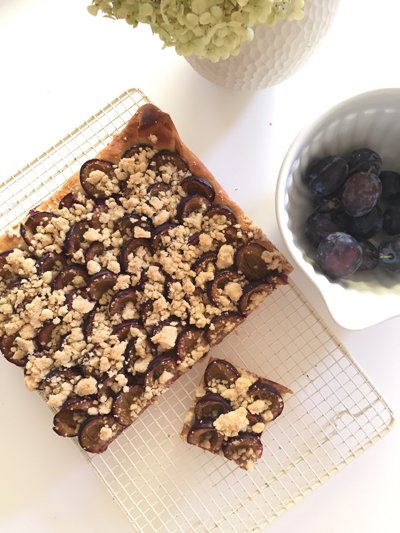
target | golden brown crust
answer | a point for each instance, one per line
(149, 120)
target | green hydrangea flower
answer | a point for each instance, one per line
(212, 29)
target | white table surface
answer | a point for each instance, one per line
(58, 66)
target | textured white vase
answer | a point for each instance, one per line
(275, 53)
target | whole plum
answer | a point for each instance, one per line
(360, 193)
(339, 255)
(326, 175)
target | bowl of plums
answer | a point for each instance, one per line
(338, 207)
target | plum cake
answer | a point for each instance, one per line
(125, 277)
(231, 411)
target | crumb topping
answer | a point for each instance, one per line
(232, 423)
(59, 316)
(239, 409)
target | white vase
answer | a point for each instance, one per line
(275, 53)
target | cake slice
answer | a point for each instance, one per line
(231, 411)
(125, 277)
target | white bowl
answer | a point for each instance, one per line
(368, 120)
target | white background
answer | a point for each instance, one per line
(58, 66)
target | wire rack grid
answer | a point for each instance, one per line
(162, 483)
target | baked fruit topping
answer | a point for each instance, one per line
(221, 325)
(33, 222)
(97, 432)
(125, 278)
(250, 261)
(220, 370)
(166, 158)
(211, 406)
(100, 283)
(243, 448)
(231, 411)
(192, 204)
(194, 185)
(123, 403)
(73, 276)
(204, 435)
(96, 176)
(252, 294)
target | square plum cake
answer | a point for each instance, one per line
(125, 277)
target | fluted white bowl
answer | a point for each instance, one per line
(275, 53)
(368, 120)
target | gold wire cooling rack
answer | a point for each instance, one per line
(165, 485)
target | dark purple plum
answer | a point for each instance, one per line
(319, 225)
(159, 365)
(69, 200)
(158, 189)
(100, 283)
(249, 260)
(191, 339)
(74, 275)
(122, 410)
(35, 219)
(367, 225)
(220, 370)
(326, 175)
(135, 149)
(99, 209)
(203, 434)
(220, 210)
(88, 322)
(234, 235)
(52, 382)
(66, 423)
(6, 348)
(251, 293)
(96, 249)
(328, 204)
(246, 447)
(50, 263)
(121, 299)
(194, 238)
(166, 157)
(394, 200)
(221, 278)
(86, 169)
(364, 160)
(161, 231)
(211, 406)
(361, 193)
(90, 437)
(264, 390)
(196, 185)
(391, 219)
(122, 330)
(49, 337)
(370, 256)
(74, 412)
(201, 264)
(74, 238)
(191, 204)
(339, 255)
(390, 183)
(126, 225)
(129, 248)
(389, 254)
